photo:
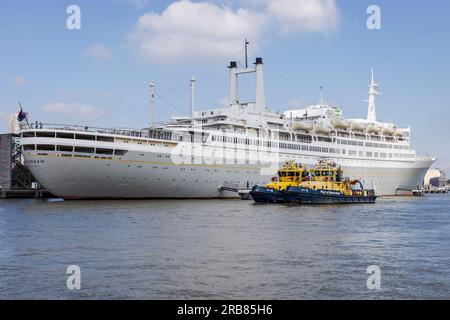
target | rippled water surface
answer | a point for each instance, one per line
(225, 249)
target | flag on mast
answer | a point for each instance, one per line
(22, 115)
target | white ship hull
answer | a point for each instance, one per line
(155, 175)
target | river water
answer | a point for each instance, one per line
(225, 249)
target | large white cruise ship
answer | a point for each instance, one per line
(202, 155)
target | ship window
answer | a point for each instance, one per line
(64, 148)
(84, 150)
(29, 147)
(104, 151)
(105, 139)
(46, 147)
(28, 134)
(84, 137)
(43, 134)
(120, 152)
(65, 135)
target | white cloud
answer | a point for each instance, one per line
(19, 81)
(72, 108)
(304, 15)
(198, 31)
(99, 51)
(188, 31)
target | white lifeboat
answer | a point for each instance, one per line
(399, 133)
(387, 131)
(321, 129)
(373, 129)
(340, 124)
(358, 126)
(302, 126)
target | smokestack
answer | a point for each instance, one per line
(234, 83)
(260, 102)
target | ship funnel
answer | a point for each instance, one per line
(234, 83)
(260, 102)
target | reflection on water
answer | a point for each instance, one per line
(225, 249)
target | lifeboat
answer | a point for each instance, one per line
(373, 129)
(321, 129)
(341, 124)
(399, 133)
(302, 126)
(388, 131)
(358, 126)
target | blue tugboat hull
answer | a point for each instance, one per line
(309, 196)
(267, 195)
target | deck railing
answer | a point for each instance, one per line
(144, 133)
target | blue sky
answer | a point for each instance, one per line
(99, 75)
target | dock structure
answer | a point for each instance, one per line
(6, 155)
(435, 181)
(16, 181)
(241, 190)
(431, 189)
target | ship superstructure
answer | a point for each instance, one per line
(241, 145)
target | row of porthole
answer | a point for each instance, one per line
(184, 169)
(184, 180)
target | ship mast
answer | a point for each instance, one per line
(192, 99)
(246, 53)
(321, 94)
(373, 92)
(152, 103)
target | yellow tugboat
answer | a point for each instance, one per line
(290, 175)
(322, 184)
(325, 184)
